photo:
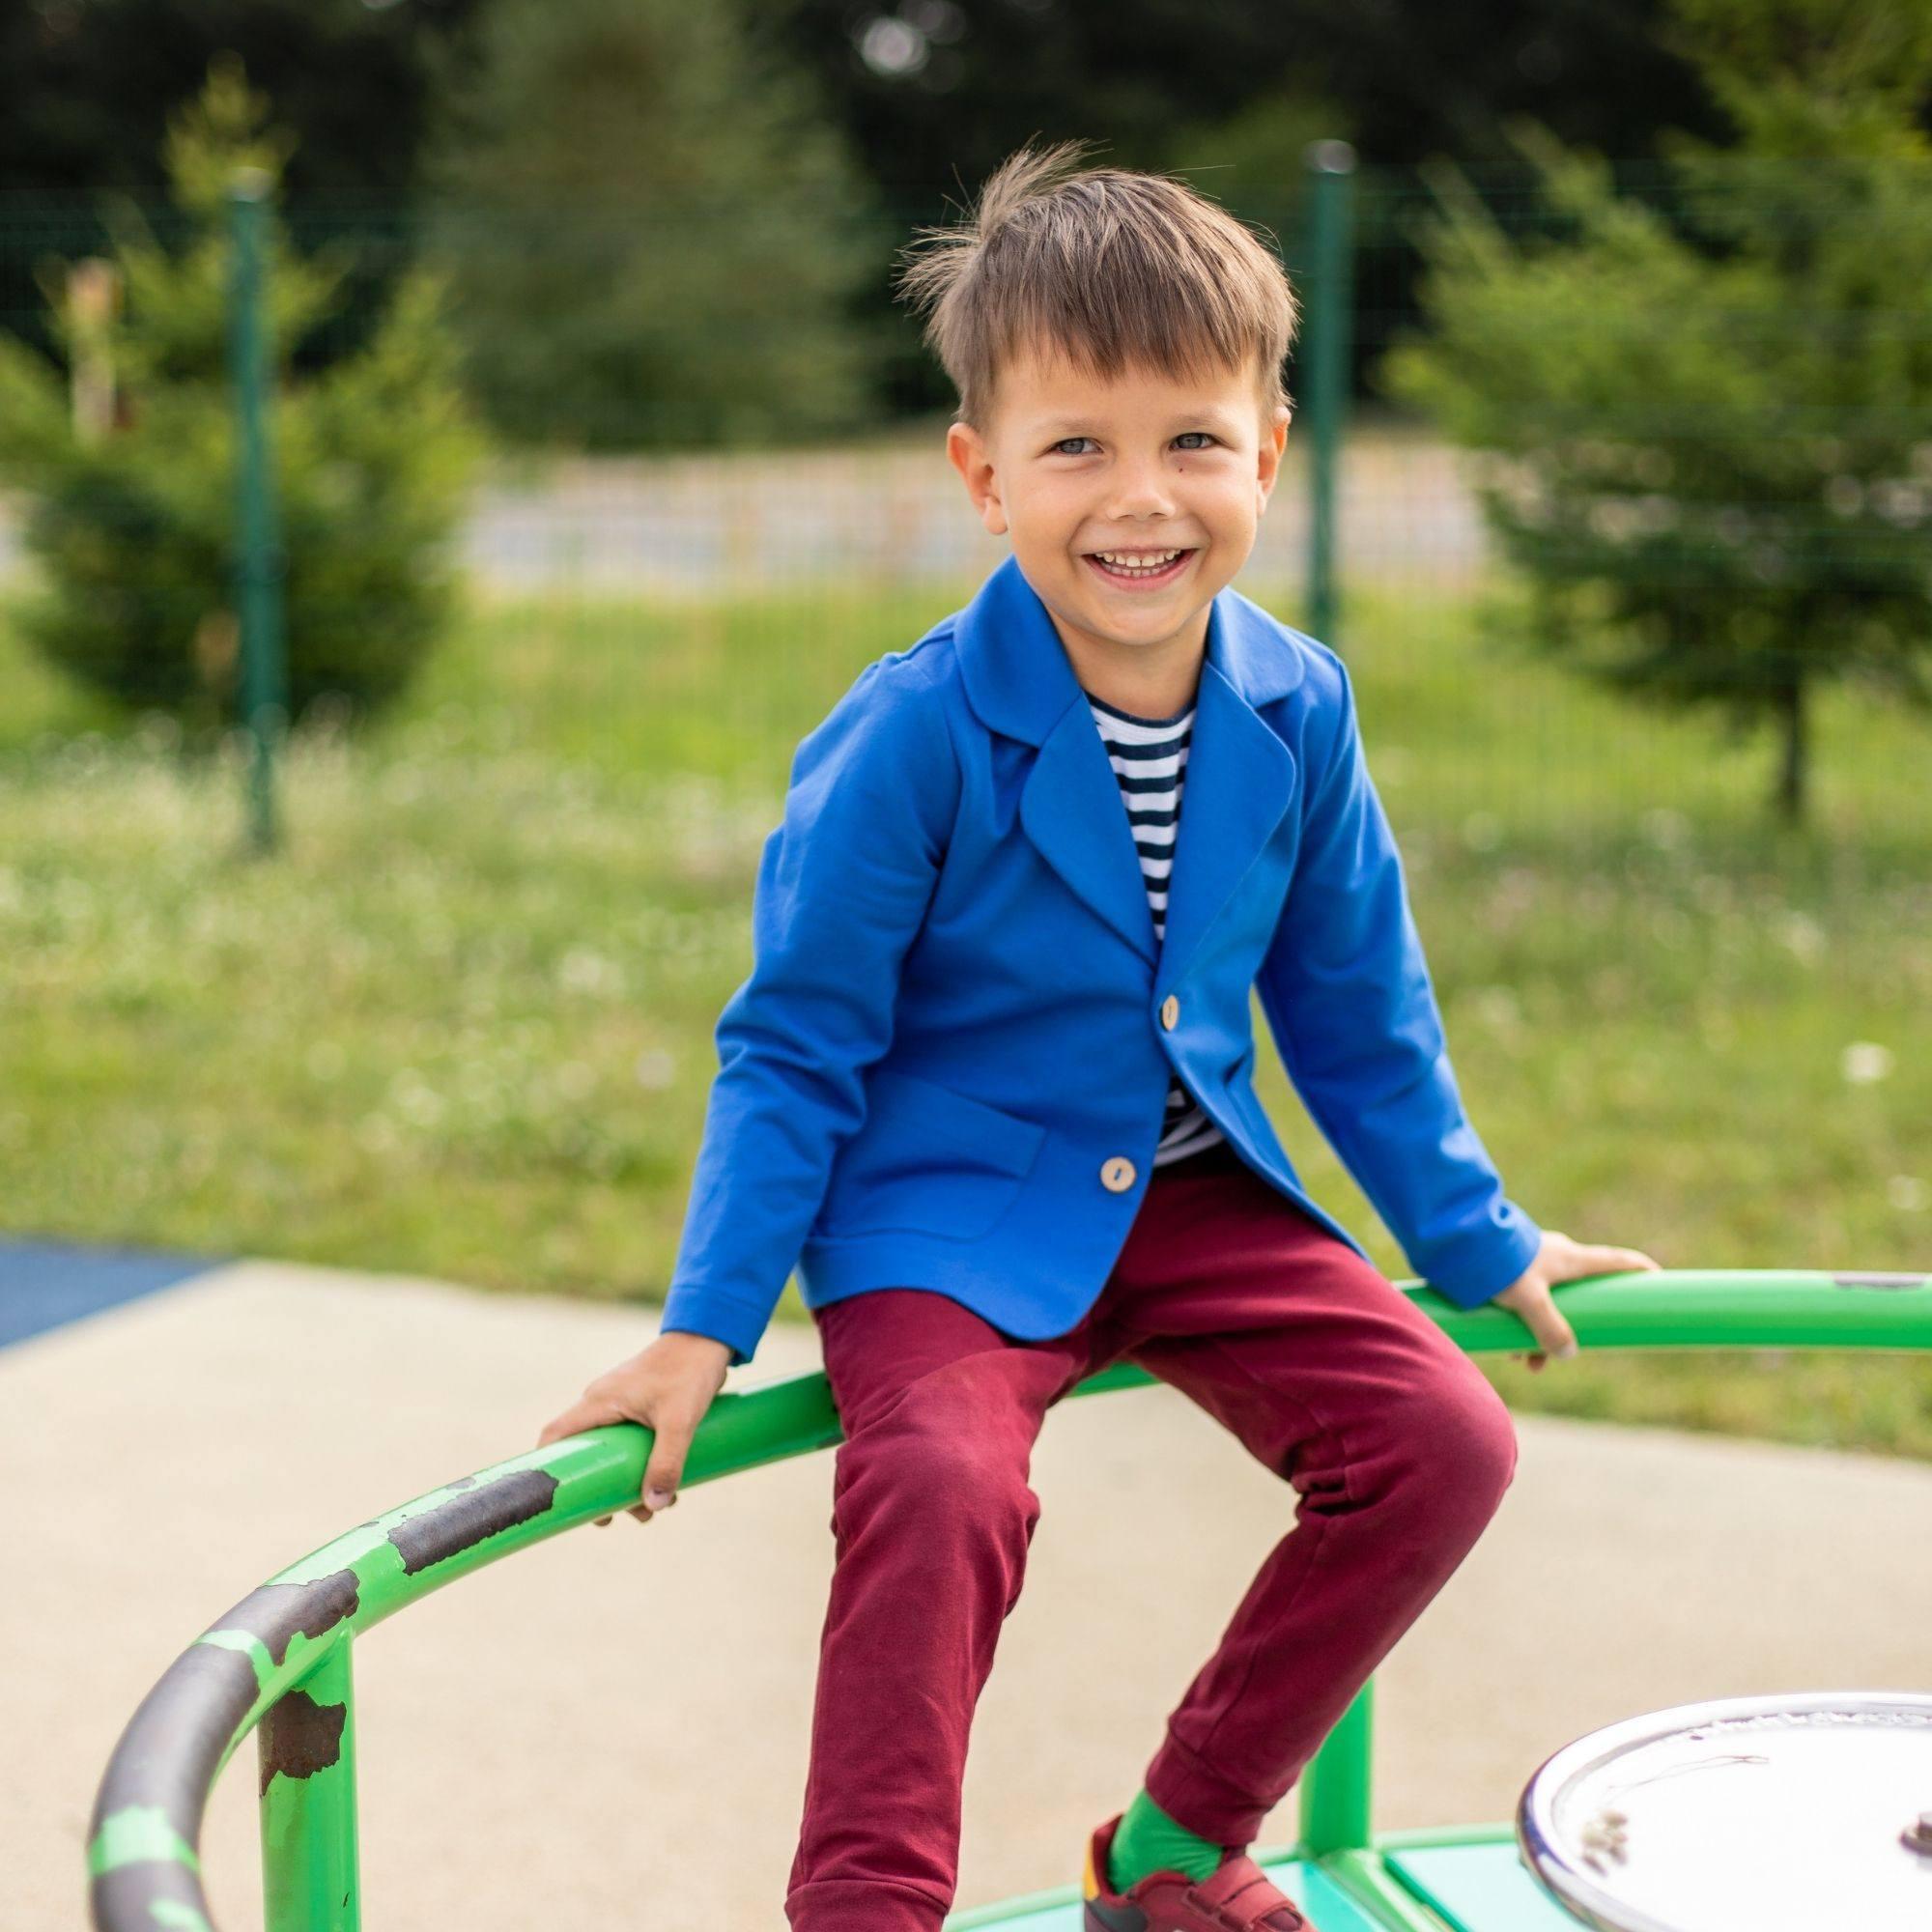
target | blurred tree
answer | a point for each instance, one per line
(87, 87)
(1255, 159)
(926, 90)
(125, 458)
(1710, 443)
(933, 94)
(652, 234)
(929, 94)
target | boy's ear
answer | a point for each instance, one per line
(966, 449)
(1274, 439)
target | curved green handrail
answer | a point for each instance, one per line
(281, 1658)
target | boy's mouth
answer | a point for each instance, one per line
(1138, 569)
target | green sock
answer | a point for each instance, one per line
(1149, 1840)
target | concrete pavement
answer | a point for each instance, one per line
(611, 1730)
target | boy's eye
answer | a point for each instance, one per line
(1062, 449)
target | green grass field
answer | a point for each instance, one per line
(463, 1026)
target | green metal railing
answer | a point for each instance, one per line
(279, 1663)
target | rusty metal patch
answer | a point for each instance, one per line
(472, 1518)
(299, 1736)
(277, 1612)
(172, 1748)
(129, 1895)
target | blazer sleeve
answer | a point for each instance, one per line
(842, 889)
(1348, 997)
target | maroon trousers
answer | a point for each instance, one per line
(1396, 1444)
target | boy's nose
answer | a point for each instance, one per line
(1140, 492)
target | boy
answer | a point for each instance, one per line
(989, 1086)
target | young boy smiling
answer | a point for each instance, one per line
(989, 1083)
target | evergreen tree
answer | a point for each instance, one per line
(1708, 414)
(126, 456)
(652, 232)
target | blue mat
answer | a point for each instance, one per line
(46, 1284)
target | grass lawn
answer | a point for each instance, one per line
(463, 1026)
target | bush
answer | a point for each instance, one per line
(653, 231)
(126, 457)
(1710, 439)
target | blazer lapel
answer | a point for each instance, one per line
(1071, 809)
(1240, 779)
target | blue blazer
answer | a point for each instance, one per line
(947, 1067)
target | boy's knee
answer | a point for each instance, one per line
(941, 1473)
(1460, 1434)
(1479, 1441)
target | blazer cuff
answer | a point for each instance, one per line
(697, 1310)
(1476, 1267)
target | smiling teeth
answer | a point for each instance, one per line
(1137, 563)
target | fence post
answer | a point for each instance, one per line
(259, 562)
(1331, 169)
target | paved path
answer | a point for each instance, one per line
(610, 1730)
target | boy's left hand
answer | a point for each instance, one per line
(1560, 1258)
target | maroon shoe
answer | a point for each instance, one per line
(1237, 1897)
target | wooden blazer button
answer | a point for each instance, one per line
(1169, 1012)
(1118, 1173)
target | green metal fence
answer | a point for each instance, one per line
(643, 495)
(463, 1026)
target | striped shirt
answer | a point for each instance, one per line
(1150, 759)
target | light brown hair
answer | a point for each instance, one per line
(1112, 268)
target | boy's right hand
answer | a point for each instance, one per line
(667, 1386)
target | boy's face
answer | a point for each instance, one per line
(1167, 476)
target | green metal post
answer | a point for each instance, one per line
(258, 551)
(307, 1753)
(1336, 1796)
(1331, 169)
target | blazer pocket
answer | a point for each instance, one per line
(928, 1161)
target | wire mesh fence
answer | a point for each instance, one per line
(515, 890)
(646, 437)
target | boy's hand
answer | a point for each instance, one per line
(1560, 1258)
(667, 1386)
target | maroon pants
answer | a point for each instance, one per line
(1397, 1446)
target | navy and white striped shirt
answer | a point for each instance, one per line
(1150, 759)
